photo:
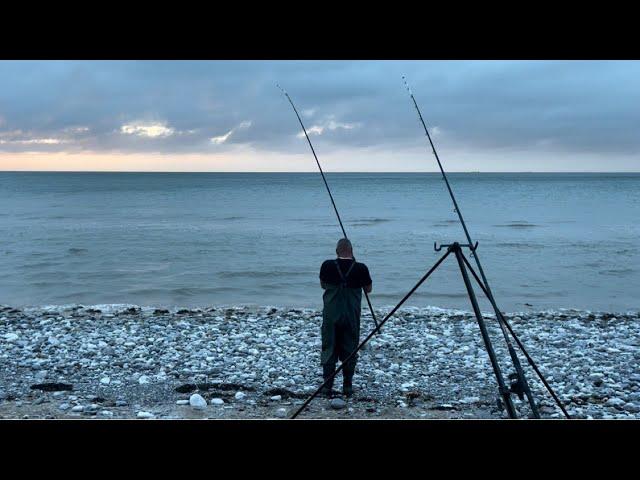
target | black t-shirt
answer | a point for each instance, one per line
(358, 277)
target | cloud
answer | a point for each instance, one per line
(219, 140)
(329, 125)
(150, 130)
(18, 137)
(143, 107)
(76, 130)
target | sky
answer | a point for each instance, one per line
(230, 115)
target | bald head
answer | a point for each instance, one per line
(344, 248)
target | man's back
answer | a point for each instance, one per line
(358, 277)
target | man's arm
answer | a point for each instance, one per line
(323, 276)
(368, 283)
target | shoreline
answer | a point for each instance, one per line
(262, 362)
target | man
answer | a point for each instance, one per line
(343, 280)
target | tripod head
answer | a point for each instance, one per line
(454, 245)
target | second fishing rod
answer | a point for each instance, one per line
(326, 184)
(505, 328)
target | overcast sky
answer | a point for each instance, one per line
(230, 116)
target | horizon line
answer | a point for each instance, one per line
(315, 171)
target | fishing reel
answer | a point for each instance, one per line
(516, 385)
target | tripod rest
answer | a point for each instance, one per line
(518, 383)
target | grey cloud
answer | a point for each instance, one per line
(573, 106)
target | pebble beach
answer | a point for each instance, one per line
(128, 362)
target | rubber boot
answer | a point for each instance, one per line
(327, 390)
(347, 382)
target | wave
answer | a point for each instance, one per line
(617, 271)
(517, 224)
(261, 274)
(445, 223)
(519, 245)
(366, 222)
(77, 251)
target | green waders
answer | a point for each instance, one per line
(340, 328)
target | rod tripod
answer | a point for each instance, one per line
(517, 385)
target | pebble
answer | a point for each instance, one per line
(276, 398)
(240, 395)
(11, 337)
(77, 408)
(197, 401)
(614, 402)
(337, 403)
(182, 402)
(217, 401)
(281, 413)
(105, 380)
(143, 414)
(143, 380)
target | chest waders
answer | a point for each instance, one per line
(340, 328)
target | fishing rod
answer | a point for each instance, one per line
(326, 184)
(523, 384)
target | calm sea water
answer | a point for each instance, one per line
(548, 240)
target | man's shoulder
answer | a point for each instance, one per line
(327, 264)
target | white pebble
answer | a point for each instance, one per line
(217, 401)
(197, 401)
(145, 415)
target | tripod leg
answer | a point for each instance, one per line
(512, 353)
(521, 346)
(504, 391)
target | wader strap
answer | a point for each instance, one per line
(344, 277)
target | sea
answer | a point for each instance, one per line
(547, 241)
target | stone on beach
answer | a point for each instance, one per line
(197, 401)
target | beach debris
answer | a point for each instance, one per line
(52, 387)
